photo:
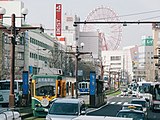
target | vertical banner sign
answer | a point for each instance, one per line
(92, 83)
(58, 19)
(25, 85)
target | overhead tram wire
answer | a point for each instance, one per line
(133, 14)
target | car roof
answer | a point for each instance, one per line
(68, 100)
(137, 105)
(138, 99)
(100, 118)
(131, 110)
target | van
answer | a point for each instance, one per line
(66, 109)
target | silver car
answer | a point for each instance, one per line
(66, 109)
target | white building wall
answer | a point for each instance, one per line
(33, 48)
(91, 43)
(116, 64)
(124, 64)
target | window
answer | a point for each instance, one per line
(114, 58)
(66, 27)
(20, 55)
(115, 63)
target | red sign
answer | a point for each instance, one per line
(58, 19)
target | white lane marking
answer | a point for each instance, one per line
(112, 102)
(125, 103)
(119, 103)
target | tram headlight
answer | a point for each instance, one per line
(44, 102)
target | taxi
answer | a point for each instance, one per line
(132, 106)
(142, 102)
(131, 113)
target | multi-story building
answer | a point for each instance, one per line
(145, 66)
(34, 49)
(116, 65)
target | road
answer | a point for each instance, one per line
(115, 104)
(112, 107)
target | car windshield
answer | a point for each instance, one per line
(143, 103)
(64, 109)
(134, 115)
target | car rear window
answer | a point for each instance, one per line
(143, 103)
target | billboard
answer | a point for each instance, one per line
(147, 41)
(58, 19)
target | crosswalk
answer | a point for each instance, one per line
(117, 103)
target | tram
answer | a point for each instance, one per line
(83, 88)
(44, 90)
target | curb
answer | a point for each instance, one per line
(26, 115)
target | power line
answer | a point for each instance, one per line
(139, 13)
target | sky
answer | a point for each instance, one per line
(42, 12)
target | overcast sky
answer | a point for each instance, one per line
(41, 12)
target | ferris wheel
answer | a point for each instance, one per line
(110, 34)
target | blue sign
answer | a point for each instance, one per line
(25, 85)
(30, 69)
(92, 83)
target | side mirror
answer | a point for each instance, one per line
(83, 112)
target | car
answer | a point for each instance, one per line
(124, 92)
(84, 117)
(142, 102)
(8, 114)
(66, 109)
(132, 106)
(134, 114)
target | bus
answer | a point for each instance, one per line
(5, 91)
(44, 90)
(143, 91)
(155, 91)
(83, 88)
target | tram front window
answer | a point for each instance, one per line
(84, 85)
(45, 91)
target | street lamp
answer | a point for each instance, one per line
(13, 31)
(77, 53)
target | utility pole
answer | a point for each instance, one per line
(77, 53)
(13, 31)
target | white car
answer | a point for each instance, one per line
(132, 106)
(100, 118)
(9, 115)
(66, 109)
(124, 92)
(142, 102)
